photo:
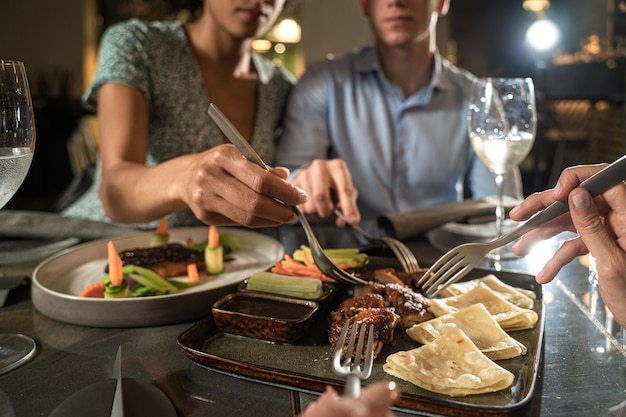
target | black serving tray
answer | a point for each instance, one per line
(305, 366)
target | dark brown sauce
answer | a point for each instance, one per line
(268, 308)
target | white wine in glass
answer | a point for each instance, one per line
(501, 122)
(17, 145)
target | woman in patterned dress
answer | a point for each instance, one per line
(160, 154)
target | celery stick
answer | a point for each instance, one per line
(230, 242)
(300, 287)
(350, 256)
(149, 278)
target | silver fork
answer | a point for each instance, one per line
(321, 260)
(456, 263)
(403, 253)
(350, 368)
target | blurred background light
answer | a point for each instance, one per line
(286, 31)
(535, 5)
(542, 35)
(261, 45)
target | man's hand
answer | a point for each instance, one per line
(328, 184)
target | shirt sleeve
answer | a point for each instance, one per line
(122, 59)
(305, 127)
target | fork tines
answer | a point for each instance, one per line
(353, 354)
(448, 269)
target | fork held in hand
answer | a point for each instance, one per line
(350, 367)
(321, 260)
(455, 264)
(403, 253)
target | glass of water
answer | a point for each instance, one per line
(17, 145)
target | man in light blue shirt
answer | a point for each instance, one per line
(385, 124)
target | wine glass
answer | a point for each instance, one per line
(17, 145)
(501, 122)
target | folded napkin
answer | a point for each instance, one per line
(415, 223)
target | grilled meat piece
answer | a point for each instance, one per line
(392, 275)
(383, 319)
(350, 306)
(370, 288)
(411, 306)
(369, 300)
(168, 261)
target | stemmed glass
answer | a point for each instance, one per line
(501, 122)
(17, 145)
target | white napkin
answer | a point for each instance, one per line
(415, 223)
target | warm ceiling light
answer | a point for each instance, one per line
(536, 5)
(287, 31)
(261, 45)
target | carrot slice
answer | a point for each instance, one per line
(115, 265)
(162, 228)
(214, 237)
(289, 266)
(94, 290)
(192, 273)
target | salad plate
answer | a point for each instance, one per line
(58, 280)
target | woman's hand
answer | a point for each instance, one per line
(225, 188)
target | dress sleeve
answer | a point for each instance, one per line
(122, 58)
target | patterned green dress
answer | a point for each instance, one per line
(155, 58)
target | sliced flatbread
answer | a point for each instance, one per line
(478, 325)
(509, 316)
(450, 365)
(519, 296)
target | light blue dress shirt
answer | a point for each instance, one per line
(403, 153)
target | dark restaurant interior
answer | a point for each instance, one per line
(579, 81)
(569, 362)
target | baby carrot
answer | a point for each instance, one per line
(115, 266)
(192, 273)
(214, 237)
(162, 228)
(214, 253)
(161, 235)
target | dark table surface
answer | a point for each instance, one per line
(582, 372)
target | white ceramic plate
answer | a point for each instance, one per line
(58, 280)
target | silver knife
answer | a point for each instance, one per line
(117, 409)
(235, 137)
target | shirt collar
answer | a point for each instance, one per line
(368, 61)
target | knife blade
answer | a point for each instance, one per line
(117, 409)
